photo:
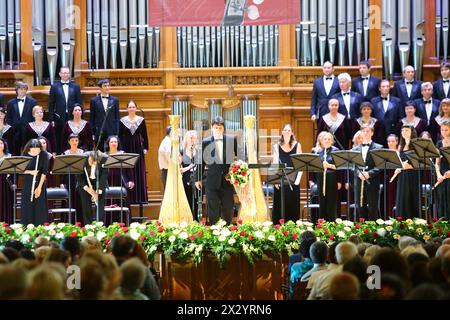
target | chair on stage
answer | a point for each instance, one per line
(117, 193)
(60, 195)
(312, 204)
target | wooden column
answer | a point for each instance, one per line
(430, 54)
(26, 37)
(286, 45)
(80, 54)
(375, 50)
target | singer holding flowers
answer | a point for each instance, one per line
(443, 174)
(281, 154)
(34, 207)
(189, 160)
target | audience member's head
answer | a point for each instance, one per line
(92, 243)
(11, 254)
(446, 241)
(72, 245)
(16, 289)
(357, 267)
(425, 291)
(319, 252)
(93, 281)
(15, 244)
(370, 252)
(45, 284)
(405, 241)
(345, 251)
(362, 247)
(3, 259)
(390, 261)
(59, 255)
(445, 266)
(27, 254)
(134, 273)
(435, 270)
(431, 248)
(41, 242)
(122, 247)
(406, 252)
(355, 239)
(344, 286)
(307, 238)
(443, 250)
(332, 253)
(392, 288)
(41, 253)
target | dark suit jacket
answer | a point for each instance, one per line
(400, 92)
(421, 111)
(103, 174)
(218, 170)
(389, 119)
(370, 163)
(438, 90)
(373, 89)
(98, 115)
(319, 97)
(1, 100)
(13, 116)
(355, 102)
(57, 102)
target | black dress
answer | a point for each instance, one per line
(84, 133)
(340, 128)
(189, 178)
(291, 197)
(443, 190)
(6, 198)
(47, 131)
(407, 197)
(328, 203)
(36, 211)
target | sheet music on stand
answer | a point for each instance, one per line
(445, 152)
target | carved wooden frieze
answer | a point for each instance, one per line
(225, 80)
(128, 82)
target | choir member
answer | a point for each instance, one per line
(6, 192)
(104, 105)
(407, 88)
(367, 119)
(357, 139)
(368, 207)
(443, 175)
(133, 135)
(87, 185)
(63, 96)
(323, 89)
(366, 85)
(444, 115)
(411, 119)
(386, 109)
(44, 143)
(441, 86)
(6, 131)
(40, 128)
(79, 127)
(281, 154)
(189, 169)
(349, 101)
(427, 107)
(328, 193)
(19, 114)
(34, 207)
(337, 124)
(391, 187)
(408, 194)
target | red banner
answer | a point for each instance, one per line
(223, 12)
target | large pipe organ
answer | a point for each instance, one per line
(10, 29)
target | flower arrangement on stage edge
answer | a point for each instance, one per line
(238, 175)
(250, 239)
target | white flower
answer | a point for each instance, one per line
(244, 247)
(183, 224)
(265, 229)
(60, 225)
(308, 224)
(134, 234)
(216, 232)
(89, 227)
(222, 238)
(341, 234)
(153, 248)
(259, 235)
(142, 227)
(225, 232)
(388, 222)
(231, 241)
(199, 249)
(381, 232)
(348, 223)
(134, 225)
(389, 228)
(173, 225)
(99, 223)
(59, 235)
(271, 237)
(100, 235)
(347, 229)
(257, 224)
(420, 221)
(52, 232)
(90, 234)
(192, 247)
(19, 231)
(310, 229)
(172, 239)
(15, 226)
(183, 235)
(380, 222)
(299, 222)
(30, 226)
(25, 238)
(267, 223)
(222, 223)
(338, 220)
(176, 231)
(295, 245)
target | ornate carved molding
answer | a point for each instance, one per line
(225, 80)
(128, 82)
(9, 83)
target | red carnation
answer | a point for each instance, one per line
(200, 234)
(331, 237)
(244, 173)
(277, 226)
(124, 229)
(361, 220)
(115, 234)
(375, 235)
(192, 238)
(82, 229)
(236, 182)
(36, 234)
(46, 224)
(234, 228)
(74, 234)
(448, 234)
(281, 221)
(399, 218)
(5, 225)
(321, 220)
(158, 223)
(121, 224)
(77, 224)
(142, 238)
(7, 230)
(402, 226)
(294, 236)
(434, 219)
(250, 237)
(285, 232)
(107, 241)
(430, 226)
(318, 226)
(325, 231)
(440, 230)
(203, 222)
(366, 231)
(152, 233)
(160, 229)
(358, 226)
(242, 233)
(239, 221)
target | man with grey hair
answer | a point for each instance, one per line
(349, 101)
(405, 241)
(408, 88)
(344, 252)
(427, 106)
(318, 253)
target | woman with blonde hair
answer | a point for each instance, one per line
(189, 169)
(40, 128)
(444, 115)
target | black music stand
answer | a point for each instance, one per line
(426, 149)
(121, 161)
(386, 159)
(69, 164)
(348, 160)
(445, 152)
(14, 166)
(308, 162)
(281, 175)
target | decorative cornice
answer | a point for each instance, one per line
(128, 82)
(225, 80)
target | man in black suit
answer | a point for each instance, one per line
(1, 100)
(19, 113)
(349, 101)
(369, 208)
(63, 96)
(441, 87)
(427, 107)
(101, 106)
(408, 88)
(366, 85)
(323, 89)
(219, 152)
(386, 109)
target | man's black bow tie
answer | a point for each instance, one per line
(364, 78)
(409, 82)
(385, 99)
(65, 83)
(366, 144)
(427, 102)
(20, 100)
(329, 78)
(346, 93)
(445, 81)
(105, 97)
